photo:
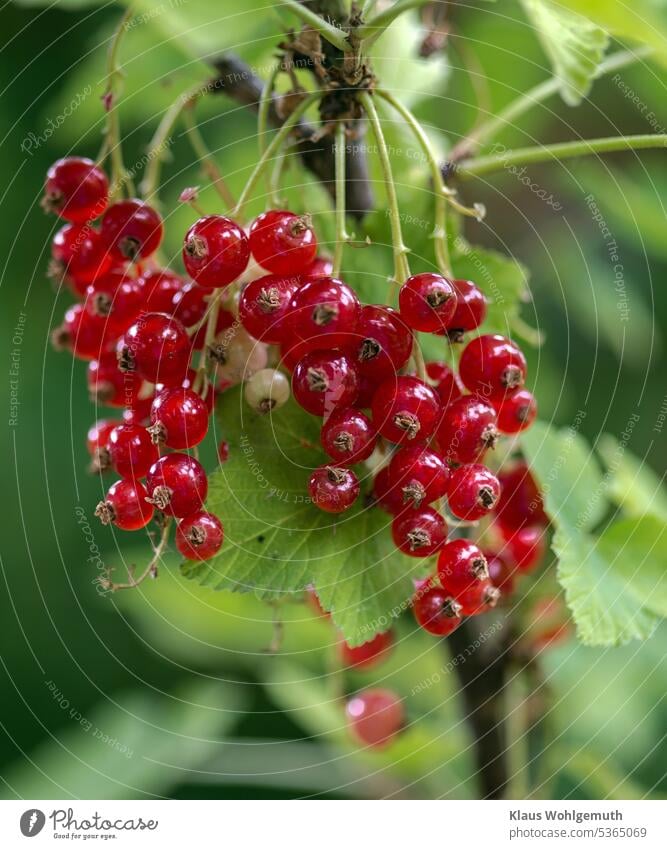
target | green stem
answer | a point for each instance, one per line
(372, 30)
(341, 232)
(565, 150)
(264, 106)
(440, 230)
(119, 175)
(532, 97)
(274, 145)
(201, 380)
(333, 34)
(208, 163)
(401, 266)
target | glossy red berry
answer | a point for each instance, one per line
(348, 436)
(78, 253)
(125, 506)
(131, 451)
(369, 654)
(387, 494)
(446, 382)
(199, 536)
(177, 485)
(157, 347)
(320, 267)
(516, 412)
(436, 611)
(109, 386)
(502, 573)
(264, 305)
(461, 565)
(324, 313)
(76, 189)
(139, 412)
(467, 430)
(427, 302)
(323, 381)
(215, 251)
(419, 533)
(98, 435)
(159, 288)
(282, 242)
(473, 492)
(384, 342)
(179, 418)
(526, 547)
(419, 474)
(470, 310)
(405, 409)
(116, 298)
(131, 229)
(520, 499)
(333, 488)
(223, 451)
(375, 717)
(478, 598)
(85, 335)
(492, 366)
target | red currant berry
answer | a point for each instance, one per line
(348, 436)
(419, 474)
(125, 506)
(461, 565)
(427, 302)
(83, 334)
(159, 288)
(140, 412)
(447, 383)
(215, 251)
(405, 409)
(179, 418)
(324, 313)
(436, 611)
(520, 500)
(98, 435)
(502, 574)
(131, 229)
(157, 347)
(384, 342)
(264, 305)
(333, 489)
(199, 536)
(369, 654)
(473, 492)
(478, 598)
(387, 495)
(516, 412)
(324, 381)
(131, 451)
(320, 267)
(76, 189)
(526, 547)
(375, 717)
(109, 386)
(419, 533)
(177, 485)
(223, 451)
(77, 252)
(115, 299)
(467, 430)
(470, 310)
(492, 366)
(282, 242)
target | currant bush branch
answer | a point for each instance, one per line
(150, 570)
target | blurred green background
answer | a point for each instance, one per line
(168, 691)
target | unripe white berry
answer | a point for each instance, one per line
(267, 390)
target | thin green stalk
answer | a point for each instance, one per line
(150, 183)
(206, 159)
(401, 266)
(532, 97)
(341, 232)
(119, 176)
(271, 149)
(372, 30)
(333, 34)
(275, 179)
(201, 381)
(565, 150)
(441, 246)
(264, 106)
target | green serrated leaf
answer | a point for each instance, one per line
(277, 542)
(604, 611)
(631, 483)
(574, 45)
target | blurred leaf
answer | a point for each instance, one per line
(141, 746)
(277, 542)
(574, 45)
(630, 482)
